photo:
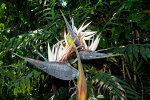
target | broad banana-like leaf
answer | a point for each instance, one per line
(88, 55)
(82, 85)
(63, 71)
(72, 33)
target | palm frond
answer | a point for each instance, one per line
(115, 87)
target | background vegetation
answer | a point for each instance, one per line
(26, 25)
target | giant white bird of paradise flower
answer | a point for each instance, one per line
(81, 37)
(59, 51)
(86, 35)
(57, 64)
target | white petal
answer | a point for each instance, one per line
(72, 23)
(60, 51)
(94, 44)
(89, 32)
(86, 25)
(75, 30)
(55, 54)
(50, 55)
(82, 27)
(91, 44)
(85, 45)
(88, 37)
(65, 38)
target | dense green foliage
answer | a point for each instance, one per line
(124, 25)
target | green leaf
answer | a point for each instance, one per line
(36, 73)
(128, 4)
(102, 42)
(135, 52)
(3, 5)
(135, 17)
(144, 25)
(148, 52)
(28, 84)
(19, 69)
(116, 33)
(106, 85)
(129, 53)
(143, 52)
(23, 86)
(146, 11)
(24, 67)
(131, 97)
(16, 89)
(139, 65)
(53, 13)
